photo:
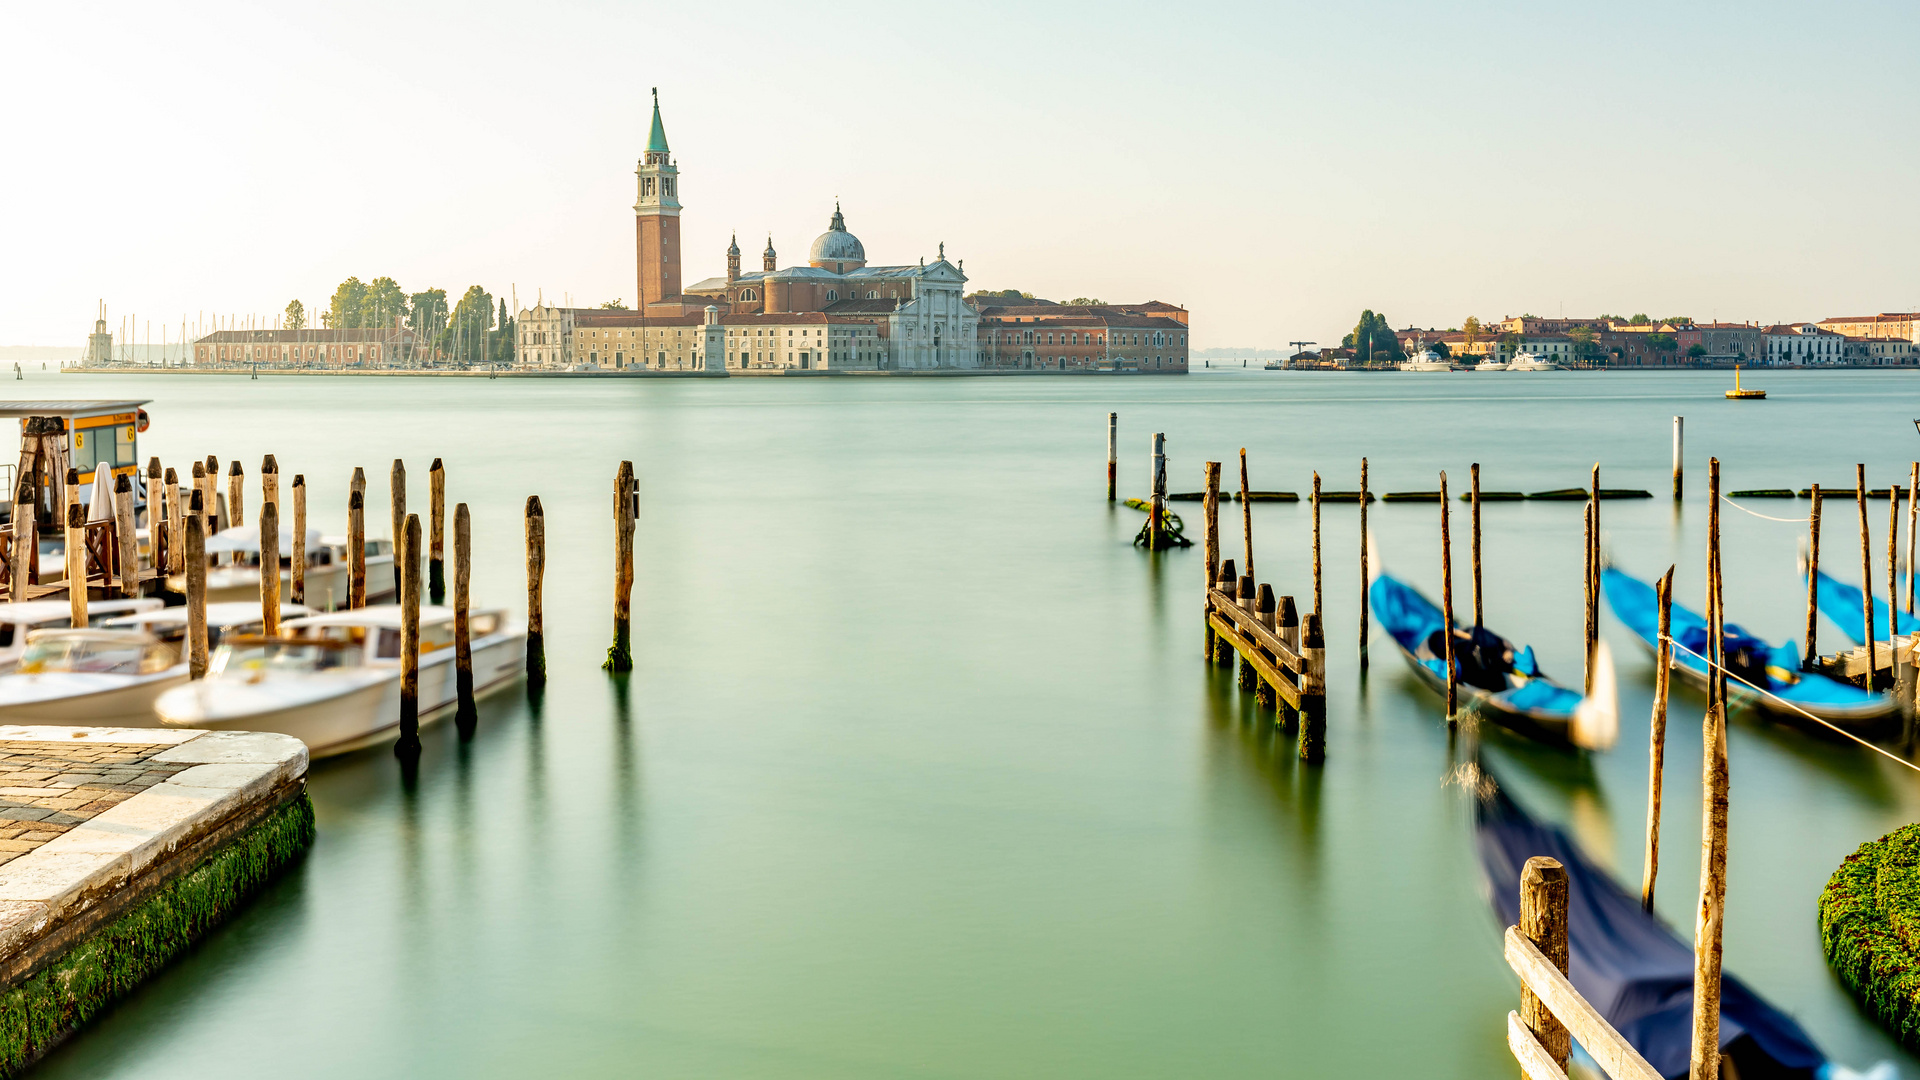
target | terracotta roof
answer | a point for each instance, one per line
(380, 334)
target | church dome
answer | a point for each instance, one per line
(837, 249)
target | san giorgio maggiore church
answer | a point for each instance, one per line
(838, 312)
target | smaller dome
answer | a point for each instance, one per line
(836, 245)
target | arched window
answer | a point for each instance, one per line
(871, 295)
(832, 295)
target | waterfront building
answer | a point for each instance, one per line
(1720, 343)
(1904, 325)
(836, 312)
(1802, 345)
(1880, 352)
(393, 346)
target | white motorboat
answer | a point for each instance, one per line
(1425, 360)
(334, 682)
(18, 620)
(235, 617)
(235, 575)
(108, 678)
(1490, 364)
(1527, 361)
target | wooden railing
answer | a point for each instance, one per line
(1551, 1011)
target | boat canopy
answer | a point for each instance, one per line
(1627, 964)
(245, 539)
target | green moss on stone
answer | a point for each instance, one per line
(1870, 927)
(116, 958)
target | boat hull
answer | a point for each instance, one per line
(1863, 720)
(1545, 727)
(126, 705)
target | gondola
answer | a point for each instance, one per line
(1631, 966)
(1775, 670)
(1841, 602)
(1495, 679)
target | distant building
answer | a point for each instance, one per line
(1022, 335)
(1720, 343)
(361, 347)
(1803, 345)
(1881, 352)
(99, 343)
(1904, 325)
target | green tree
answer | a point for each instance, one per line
(296, 315)
(1696, 350)
(1374, 336)
(1472, 329)
(382, 303)
(427, 317)
(344, 311)
(1662, 342)
(469, 326)
(503, 336)
(1679, 320)
(1086, 301)
(615, 304)
(1586, 343)
(1639, 320)
(1440, 349)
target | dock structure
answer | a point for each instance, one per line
(121, 847)
(1283, 658)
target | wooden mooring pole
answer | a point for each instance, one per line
(397, 494)
(1223, 653)
(1446, 601)
(1657, 740)
(620, 654)
(1479, 618)
(1679, 455)
(409, 596)
(199, 481)
(270, 569)
(357, 550)
(1586, 632)
(211, 481)
(270, 481)
(1211, 509)
(437, 522)
(1708, 922)
(1313, 691)
(1363, 566)
(1543, 921)
(1113, 453)
(26, 539)
(76, 565)
(1246, 511)
(1593, 578)
(1893, 574)
(176, 563)
(297, 556)
(1812, 657)
(1316, 543)
(465, 716)
(236, 495)
(123, 535)
(156, 523)
(1866, 568)
(1913, 529)
(536, 573)
(1159, 538)
(194, 553)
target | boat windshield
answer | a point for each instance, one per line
(98, 653)
(254, 660)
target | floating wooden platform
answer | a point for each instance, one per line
(1846, 492)
(1762, 493)
(120, 847)
(1582, 494)
(1411, 496)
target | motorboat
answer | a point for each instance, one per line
(1425, 360)
(1491, 676)
(235, 573)
(1528, 361)
(91, 676)
(1490, 364)
(18, 620)
(333, 680)
(232, 617)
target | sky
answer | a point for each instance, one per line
(1274, 167)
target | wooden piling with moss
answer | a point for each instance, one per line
(536, 575)
(625, 494)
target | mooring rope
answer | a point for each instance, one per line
(1795, 708)
(1766, 517)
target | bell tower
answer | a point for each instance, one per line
(657, 218)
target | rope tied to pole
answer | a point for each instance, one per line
(1763, 517)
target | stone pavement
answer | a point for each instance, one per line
(46, 788)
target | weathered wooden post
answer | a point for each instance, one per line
(269, 481)
(199, 481)
(465, 716)
(1316, 543)
(26, 539)
(1813, 580)
(194, 554)
(1866, 568)
(297, 557)
(409, 597)
(1709, 918)
(620, 655)
(1893, 573)
(270, 569)
(1593, 578)
(1211, 510)
(1157, 534)
(436, 546)
(156, 524)
(210, 482)
(1657, 739)
(1446, 601)
(1246, 511)
(536, 573)
(1586, 631)
(1246, 596)
(397, 487)
(1543, 921)
(1286, 626)
(176, 563)
(357, 551)
(1263, 692)
(123, 535)
(1913, 529)
(1479, 616)
(1679, 455)
(236, 495)
(1364, 582)
(1113, 453)
(1313, 691)
(359, 481)
(1227, 583)
(76, 565)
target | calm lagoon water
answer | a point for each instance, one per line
(921, 773)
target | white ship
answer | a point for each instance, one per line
(1425, 360)
(1527, 361)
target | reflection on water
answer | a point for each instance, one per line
(921, 768)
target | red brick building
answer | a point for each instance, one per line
(363, 347)
(1150, 337)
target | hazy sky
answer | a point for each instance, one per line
(1275, 167)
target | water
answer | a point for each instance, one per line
(921, 773)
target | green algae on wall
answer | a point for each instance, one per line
(1870, 929)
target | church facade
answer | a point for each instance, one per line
(837, 312)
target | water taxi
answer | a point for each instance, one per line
(333, 680)
(1490, 364)
(1527, 361)
(19, 620)
(1739, 394)
(92, 676)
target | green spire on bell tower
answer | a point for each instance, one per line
(657, 138)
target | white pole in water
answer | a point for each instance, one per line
(1679, 453)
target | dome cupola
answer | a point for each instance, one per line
(837, 249)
